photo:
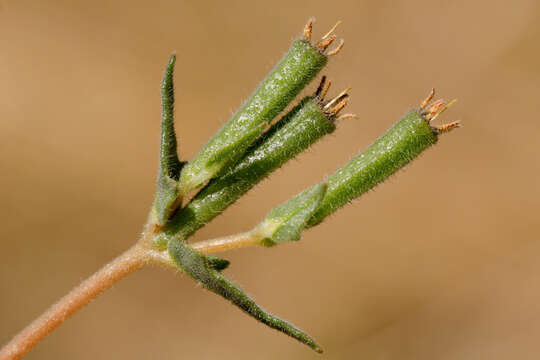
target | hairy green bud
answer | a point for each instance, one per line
(295, 70)
(401, 144)
(295, 132)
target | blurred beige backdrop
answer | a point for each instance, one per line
(440, 262)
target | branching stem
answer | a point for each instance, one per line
(357, 172)
(131, 260)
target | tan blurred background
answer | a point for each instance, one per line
(441, 262)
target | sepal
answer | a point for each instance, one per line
(285, 222)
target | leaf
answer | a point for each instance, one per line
(167, 196)
(203, 269)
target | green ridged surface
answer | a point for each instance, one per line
(295, 132)
(395, 149)
(295, 70)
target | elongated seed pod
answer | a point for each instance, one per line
(396, 148)
(293, 72)
(295, 132)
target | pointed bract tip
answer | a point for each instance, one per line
(170, 64)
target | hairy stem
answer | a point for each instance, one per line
(128, 262)
(226, 243)
(133, 259)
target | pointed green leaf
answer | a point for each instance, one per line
(168, 192)
(201, 269)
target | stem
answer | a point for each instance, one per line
(226, 243)
(133, 259)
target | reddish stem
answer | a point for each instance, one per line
(131, 260)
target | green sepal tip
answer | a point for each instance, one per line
(167, 196)
(285, 223)
(202, 269)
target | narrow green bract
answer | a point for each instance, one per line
(395, 149)
(295, 132)
(204, 271)
(168, 191)
(295, 70)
